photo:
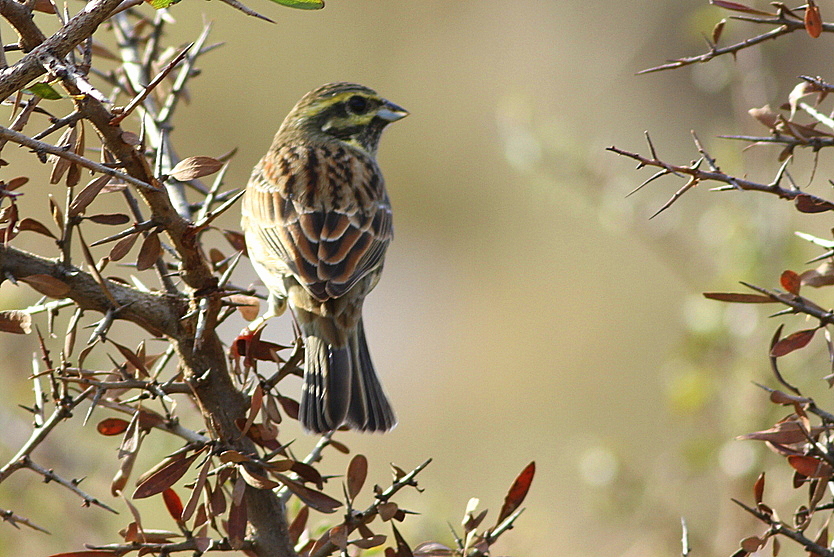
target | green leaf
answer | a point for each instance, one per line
(44, 91)
(159, 4)
(302, 4)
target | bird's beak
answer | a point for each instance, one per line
(391, 112)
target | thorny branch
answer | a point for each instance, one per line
(785, 21)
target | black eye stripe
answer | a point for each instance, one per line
(357, 104)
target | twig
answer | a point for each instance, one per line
(51, 476)
(62, 411)
(41, 147)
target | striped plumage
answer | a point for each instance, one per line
(318, 221)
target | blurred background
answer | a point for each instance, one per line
(528, 309)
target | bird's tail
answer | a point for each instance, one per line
(341, 387)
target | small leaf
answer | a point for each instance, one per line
(14, 321)
(86, 196)
(61, 164)
(370, 542)
(357, 472)
(195, 167)
(149, 252)
(122, 247)
(717, 30)
(739, 298)
(236, 524)
(314, 499)
(236, 240)
(162, 476)
(402, 547)
(811, 204)
(517, 493)
(758, 488)
(338, 536)
(813, 19)
(160, 4)
(791, 282)
(298, 523)
(112, 426)
(302, 4)
(173, 503)
(44, 91)
(44, 6)
(751, 544)
(110, 218)
(809, 466)
(256, 480)
(781, 397)
(736, 7)
(47, 285)
(792, 342)
(35, 226)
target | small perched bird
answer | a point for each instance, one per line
(317, 222)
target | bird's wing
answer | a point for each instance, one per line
(323, 212)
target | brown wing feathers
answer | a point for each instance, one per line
(328, 241)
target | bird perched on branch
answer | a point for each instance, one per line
(317, 222)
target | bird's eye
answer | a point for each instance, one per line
(357, 104)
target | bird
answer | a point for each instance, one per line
(317, 222)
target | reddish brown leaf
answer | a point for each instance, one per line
(112, 426)
(781, 397)
(14, 321)
(387, 510)
(15, 183)
(739, 297)
(194, 498)
(338, 536)
(86, 195)
(751, 544)
(110, 218)
(195, 167)
(47, 285)
(149, 252)
(162, 476)
(131, 357)
(517, 493)
(35, 226)
(791, 282)
(298, 523)
(370, 542)
(810, 466)
(123, 246)
(89, 552)
(758, 488)
(357, 472)
(307, 473)
(783, 433)
(61, 164)
(291, 407)
(173, 503)
(236, 524)
(813, 19)
(256, 480)
(792, 342)
(736, 7)
(314, 499)
(811, 204)
(236, 240)
(402, 547)
(338, 445)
